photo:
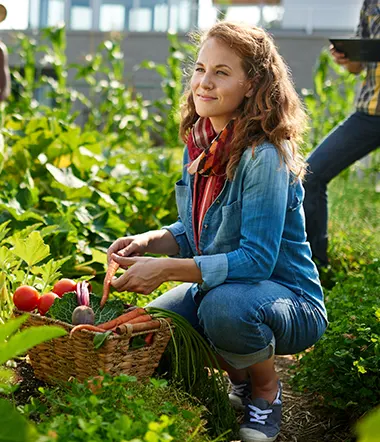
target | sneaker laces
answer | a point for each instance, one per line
(258, 415)
(239, 389)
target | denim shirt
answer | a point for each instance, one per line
(253, 231)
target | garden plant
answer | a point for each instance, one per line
(72, 181)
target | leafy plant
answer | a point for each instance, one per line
(115, 409)
(24, 260)
(331, 99)
(63, 308)
(15, 427)
(167, 118)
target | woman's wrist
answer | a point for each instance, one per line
(182, 270)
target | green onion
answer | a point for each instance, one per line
(194, 365)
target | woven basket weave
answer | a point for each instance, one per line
(64, 358)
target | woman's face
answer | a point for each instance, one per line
(219, 83)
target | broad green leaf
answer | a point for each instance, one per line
(22, 234)
(367, 428)
(66, 177)
(100, 338)
(11, 327)
(32, 250)
(26, 339)
(14, 427)
(6, 257)
(105, 197)
(50, 271)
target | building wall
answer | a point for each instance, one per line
(340, 15)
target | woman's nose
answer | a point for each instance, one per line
(206, 82)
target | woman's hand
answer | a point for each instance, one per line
(143, 274)
(129, 246)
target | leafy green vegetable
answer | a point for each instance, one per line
(112, 309)
(63, 308)
(100, 338)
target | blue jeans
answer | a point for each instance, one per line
(248, 323)
(353, 139)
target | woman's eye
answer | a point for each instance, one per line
(221, 72)
(199, 70)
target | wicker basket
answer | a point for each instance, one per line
(64, 358)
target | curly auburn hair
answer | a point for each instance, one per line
(274, 112)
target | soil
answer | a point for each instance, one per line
(303, 420)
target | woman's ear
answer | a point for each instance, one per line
(250, 89)
(249, 93)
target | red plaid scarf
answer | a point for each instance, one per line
(209, 155)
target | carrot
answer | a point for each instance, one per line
(111, 271)
(88, 327)
(149, 339)
(141, 318)
(150, 325)
(122, 318)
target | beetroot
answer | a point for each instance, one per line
(83, 315)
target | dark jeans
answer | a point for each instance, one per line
(353, 139)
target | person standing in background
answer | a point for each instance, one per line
(5, 78)
(351, 140)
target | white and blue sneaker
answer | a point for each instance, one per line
(240, 394)
(262, 420)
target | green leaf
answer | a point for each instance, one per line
(367, 428)
(50, 271)
(158, 383)
(66, 177)
(100, 338)
(11, 327)
(138, 342)
(4, 230)
(112, 309)
(6, 257)
(7, 377)
(32, 249)
(14, 427)
(26, 339)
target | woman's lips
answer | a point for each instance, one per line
(206, 98)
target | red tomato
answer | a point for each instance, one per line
(26, 298)
(46, 301)
(63, 286)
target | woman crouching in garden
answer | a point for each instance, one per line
(239, 244)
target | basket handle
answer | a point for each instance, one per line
(137, 328)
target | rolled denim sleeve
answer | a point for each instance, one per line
(177, 229)
(263, 210)
(214, 269)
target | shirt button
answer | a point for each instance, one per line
(217, 201)
(205, 226)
